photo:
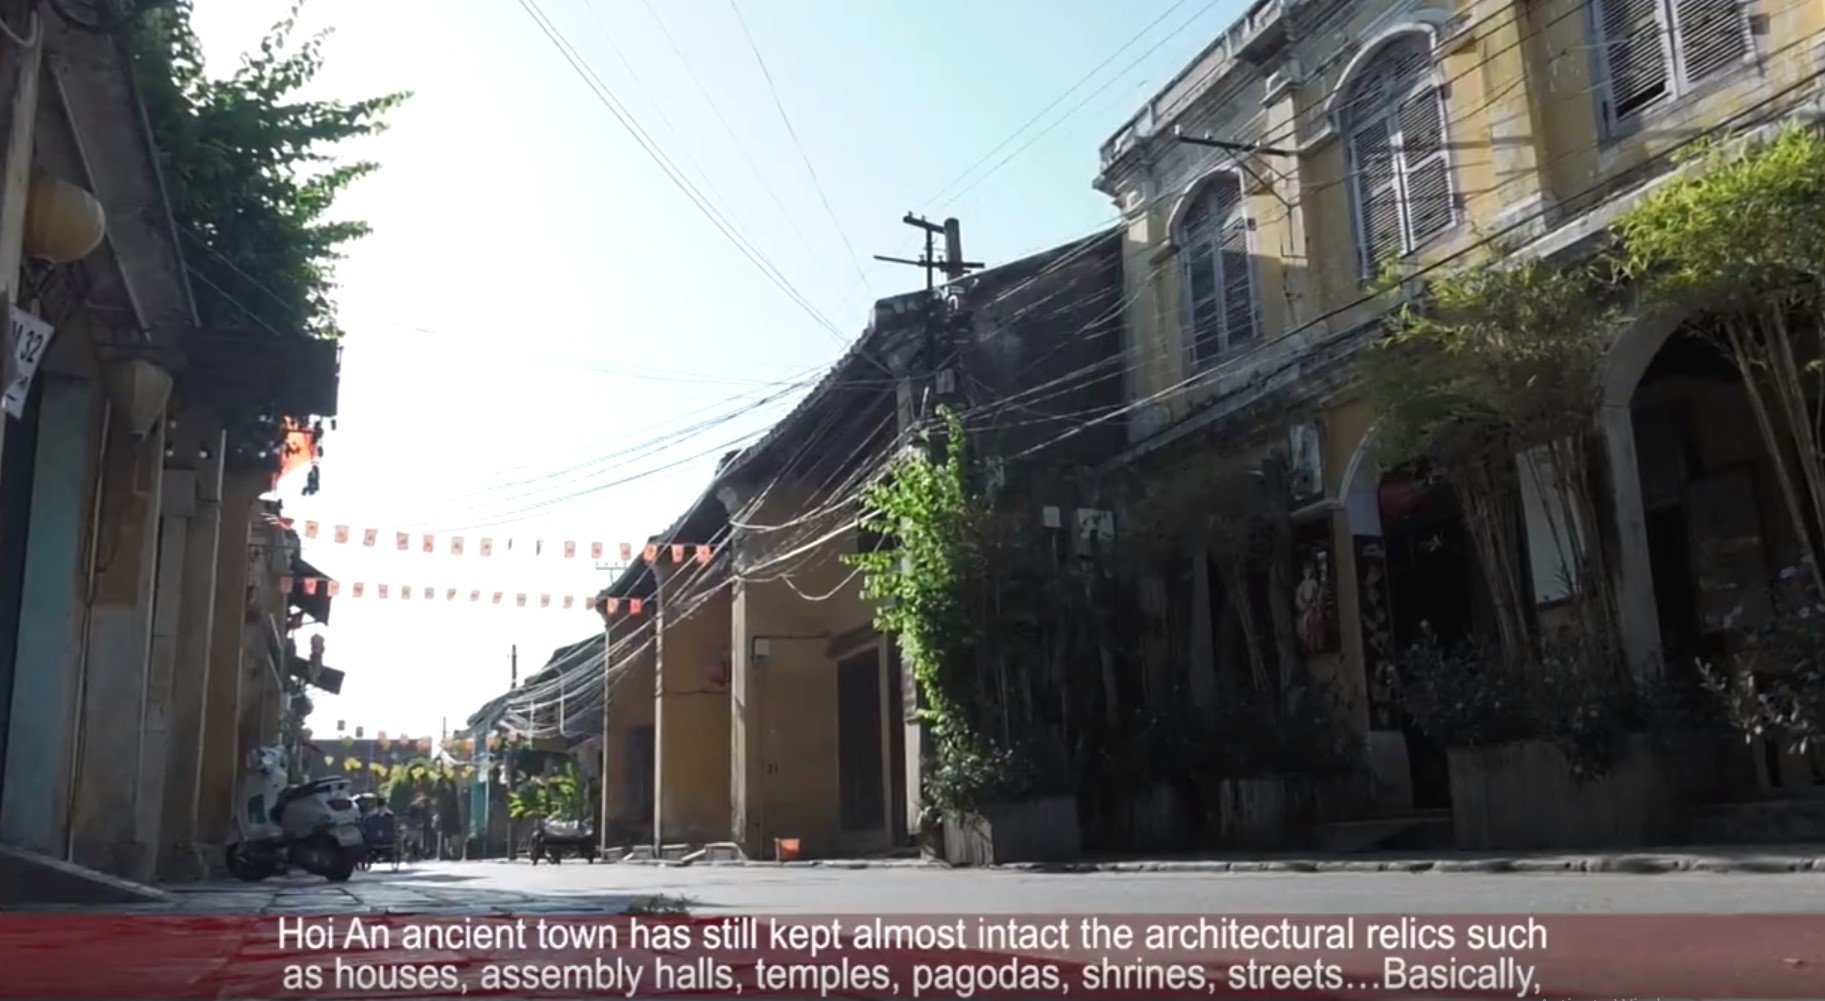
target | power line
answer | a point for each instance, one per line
(606, 98)
(793, 133)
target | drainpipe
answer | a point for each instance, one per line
(82, 655)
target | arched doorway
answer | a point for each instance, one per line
(1705, 533)
(1416, 572)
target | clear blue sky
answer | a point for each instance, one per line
(538, 299)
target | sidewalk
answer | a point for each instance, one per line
(368, 893)
(1647, 861)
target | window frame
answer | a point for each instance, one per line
(1201, 189)
(1351, 127)
(1679, 86)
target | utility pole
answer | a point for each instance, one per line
(608, 660)
(513, 664)
(953, 265)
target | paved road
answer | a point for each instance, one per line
(810, 890)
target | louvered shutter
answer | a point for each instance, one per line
(1378, 194)
(1238, 285)
(1634, 54)
(1713, 36)
(1206, 305)
(1425, 171)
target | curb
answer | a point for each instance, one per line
(1643, 865)
(1640, 865)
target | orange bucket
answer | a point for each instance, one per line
(785, 849)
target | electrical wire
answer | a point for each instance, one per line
(780, 105)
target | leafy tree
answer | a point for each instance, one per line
(1739, 245)
(252, 172)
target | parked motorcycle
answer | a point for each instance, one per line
(314, 826)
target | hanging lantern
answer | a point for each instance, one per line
(63, 223)
(1398, 496)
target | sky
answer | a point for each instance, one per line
(547, 340)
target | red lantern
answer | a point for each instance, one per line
(1399, 496)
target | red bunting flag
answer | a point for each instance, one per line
(370, 536)
(405, 593)
(627, 553)
(595, 550)
(568, 599)
(310, 529)
(430, 543)
(544, 601)
(497, 597)
(651, 553)
(456, 545)
(342, 533)
(285, 584)
(570, 550)
(450, 594)
(634, 605)
(613, 605)
(703, 554)
(487, 547)
(677, 553)
(310, 585)
(381, 593)
(403, 540)
(359, 587)
(335, 588)
(519, 600)
(475, 596)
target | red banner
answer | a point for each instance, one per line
(975, 956)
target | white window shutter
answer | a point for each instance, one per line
(1424, 167)
(1636, 63)
(1238, 286)
(1218, 291)
(1377, 194)
(1713, 36)
(1205, 297)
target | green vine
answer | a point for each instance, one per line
(923, 587)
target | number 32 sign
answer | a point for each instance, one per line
(31, 338)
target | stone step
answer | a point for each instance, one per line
(30, 878)
(1759, 821)
(1417, 830)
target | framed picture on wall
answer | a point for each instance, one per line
(1315, 592)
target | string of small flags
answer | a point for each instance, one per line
(451, 595)
(458, 545)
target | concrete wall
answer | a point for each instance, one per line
(630, 710)
(691, 710)
(786, 779)
(108, 822)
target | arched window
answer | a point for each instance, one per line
(1220, 314)
(1394, 115)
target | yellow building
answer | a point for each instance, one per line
(1265, 186)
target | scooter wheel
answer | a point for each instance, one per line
(245, 865)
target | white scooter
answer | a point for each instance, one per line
(315, 826)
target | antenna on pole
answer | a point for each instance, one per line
(953, 265)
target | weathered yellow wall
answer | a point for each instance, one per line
(784, 735)
(692, 716)
(630, 709)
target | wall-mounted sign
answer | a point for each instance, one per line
(1305, 461)
(31, 338)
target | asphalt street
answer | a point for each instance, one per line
(574, 886)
